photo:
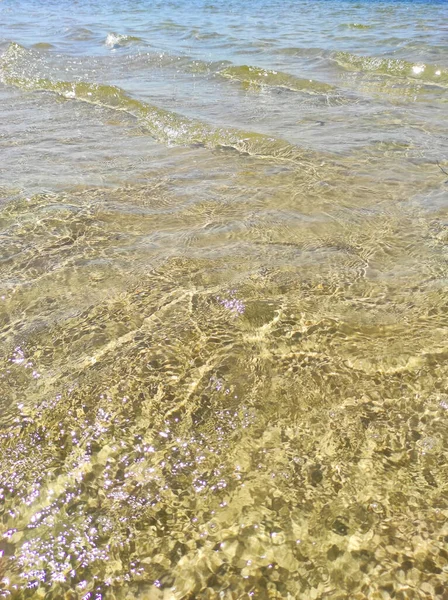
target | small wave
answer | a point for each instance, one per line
(356, 26)
(171, 25)
(43, 46)
(391, 67)
(118, 40)
(163, 125)
(80, 34)
(302, 52)
(197, 34)
(255, 76)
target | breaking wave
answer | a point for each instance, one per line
(118, 40)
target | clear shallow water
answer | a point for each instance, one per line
(223, 300)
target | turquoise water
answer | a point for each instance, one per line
(223, 300)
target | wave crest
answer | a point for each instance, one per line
(165, 126)
(254, 76)
(392, 67)
(118, 40)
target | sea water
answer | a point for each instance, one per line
(223, 299)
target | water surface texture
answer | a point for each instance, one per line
(223, 300)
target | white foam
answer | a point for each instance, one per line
(115, 39)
